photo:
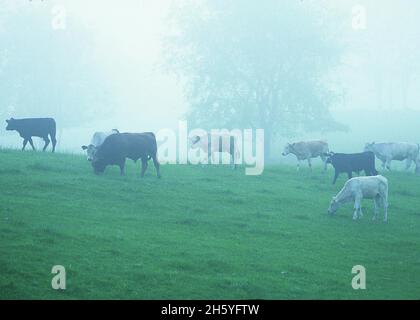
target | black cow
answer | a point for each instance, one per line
(117, 147)
(38, 127)
(352, 162)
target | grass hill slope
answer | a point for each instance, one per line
(197, 233)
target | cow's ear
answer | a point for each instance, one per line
(84, 147)
(7, 121)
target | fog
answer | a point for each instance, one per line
(97, 65)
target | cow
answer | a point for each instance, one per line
(97, 139)
(386, 152)
(34, 127)
(355, 189)
(306, 150)
(117, 147)
(352, 162)
(217, 143)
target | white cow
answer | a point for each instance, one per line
(306, 150)
(97, 139)
(386, 152)
(355, 189)
(226, 143)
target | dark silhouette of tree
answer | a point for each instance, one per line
(260, 64)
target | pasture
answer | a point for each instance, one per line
(198, 233)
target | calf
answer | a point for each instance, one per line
(117, 147)
(356, 189)
(352, 162)
(306, 150)
(38, 127)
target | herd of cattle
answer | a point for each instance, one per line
(113, 148)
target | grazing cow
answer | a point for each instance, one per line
(226, 143)
(355, 189)
(97, 139)
(306, 150)
(117, 147)
(386, 152)
(37, 127)
(352, 162)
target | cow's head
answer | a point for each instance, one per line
(90, 150)
(329, 156)
(334, 205)
(98, 165)
(11, 124)
(287, 149)
(369, 146)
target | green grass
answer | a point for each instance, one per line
(197, 233)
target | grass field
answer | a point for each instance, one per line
(198, 233)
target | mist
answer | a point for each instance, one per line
(100, 65)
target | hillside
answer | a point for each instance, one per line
(197, 233)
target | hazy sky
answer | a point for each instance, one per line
(128, 46)
(128, 42)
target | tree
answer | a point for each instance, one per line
(256, 64)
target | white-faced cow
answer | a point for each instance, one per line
(97, 139)
(386, 152)
(306, 150)
(355, 189)
(117, 147)
(34, 127)
(211, 144)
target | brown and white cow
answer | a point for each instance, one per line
(211, 144)
(306, 150)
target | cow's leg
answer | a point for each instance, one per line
(350, 174)
(408, 164)
(143, 166)
(25, 142)
(233, 159)
(157, 165)
(310, 164)
(54, 142)
(31, 143)
(324, 160)
(385, 206)
(298, 166)
(214, 160)
(357, 207)
(47, 142)
(376, 208)
(383, 164)
(388, 164)
(335, 176)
